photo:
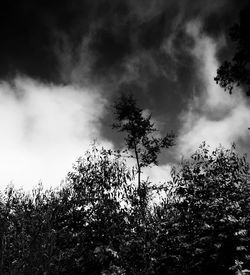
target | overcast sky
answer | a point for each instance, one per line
(62, 63)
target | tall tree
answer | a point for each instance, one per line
(140, 137)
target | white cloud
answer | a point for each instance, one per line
(44, 129)
(212, 115)
(158, 174)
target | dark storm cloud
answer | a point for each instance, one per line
(27, 29)
(30, 31)
(126, 30)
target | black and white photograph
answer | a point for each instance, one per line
(125, 137)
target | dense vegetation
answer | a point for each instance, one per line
(198, 223)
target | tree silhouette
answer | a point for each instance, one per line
(236, 72)
(139, 131)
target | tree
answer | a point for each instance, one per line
(237, 71)
(102, 198)
(81, 228)
(212, 227)
(139, 131)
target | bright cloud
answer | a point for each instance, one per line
(212, 115)
(157, 174)
(44, 129)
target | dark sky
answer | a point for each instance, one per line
(154, 49)
(33, 33)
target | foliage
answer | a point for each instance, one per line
(213, 191)
(237, 71)
(93, 225)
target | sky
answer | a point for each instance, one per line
(63, 63)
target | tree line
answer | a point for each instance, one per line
(198, 223)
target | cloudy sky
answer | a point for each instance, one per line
(62, 63)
